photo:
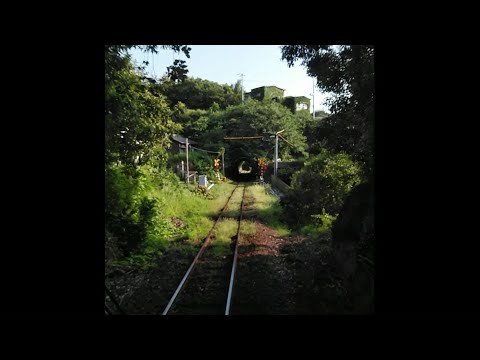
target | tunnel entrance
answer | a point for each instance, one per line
(243, 169)
(242, 154)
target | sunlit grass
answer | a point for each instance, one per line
(196, 214)
(184, 219)
(233, 210)
(268, 209)
(223, 232)
(248, 228)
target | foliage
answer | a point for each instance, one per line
(323, 183)
(315, 132)
(178, 71)
(320, 114)
(197, 93)
(199, 161)
(138, 125)
(137, 121)
(131, 215)
(321, 224)
(203, 163)
(355, 222)
(285, 174)
(193, 122)
(255, 118)
(347, 72)
(266, 208)
(177, 217)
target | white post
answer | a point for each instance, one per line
(223, 163)
(183, 169)
(188, 172)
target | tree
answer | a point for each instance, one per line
(178, 71)
(263, 118)
(347, 72)
(237, 87)
(138, 124)
(137, 120)
(322, 185)
(198, 93)
(193, 121)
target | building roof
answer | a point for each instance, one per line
(302, 98)
(182, 140)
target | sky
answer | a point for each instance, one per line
(261, 65)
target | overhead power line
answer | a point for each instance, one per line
(208, 151)
(242, 137)
(285, 140)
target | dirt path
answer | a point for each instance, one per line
(284, 276)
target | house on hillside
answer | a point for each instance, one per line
(266, 93)
(297, 103)
(294, 103)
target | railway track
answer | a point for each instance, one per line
(207, 287)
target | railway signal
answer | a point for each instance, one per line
(262, 166)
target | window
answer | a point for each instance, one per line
(302, 106)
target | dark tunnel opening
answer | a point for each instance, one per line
(243, 169)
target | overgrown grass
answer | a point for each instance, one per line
(195, 211)
(248, 228)
(225, 230)
(267, 208)
(182, 218)
(321, 225)
(233, 210)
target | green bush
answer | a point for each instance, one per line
(127, 212)
(285, 174)
(323, 183)
(200, 161)
(132, 207)
(321, 224)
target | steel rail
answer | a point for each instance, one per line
(234, 265)
(200, 252)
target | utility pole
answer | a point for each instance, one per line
(188, 172)
(275, 169)
(276, 155)
(242, 75)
